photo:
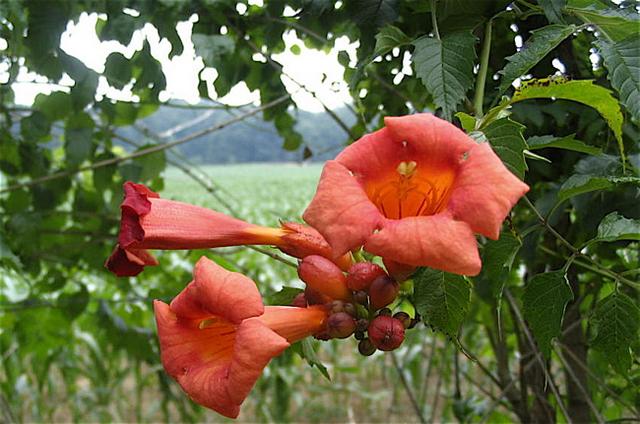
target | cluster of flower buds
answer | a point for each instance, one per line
(356, 303)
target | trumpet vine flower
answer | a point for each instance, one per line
(149, 222)
(415, 192)
(216, 336)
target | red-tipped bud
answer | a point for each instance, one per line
(383, 291)
(324, 276)
(386, 333)
(366, 348)
(314, 298)
(336, 306)
(404, 318)
(362, 324)
(350, 309)
(340, 325)
(300, 241)
(361, 275)
(300, 301)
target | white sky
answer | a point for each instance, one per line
(181, 72)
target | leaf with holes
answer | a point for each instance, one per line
(614, 227)
(581, 91)
(614, 22)
(442, 299)
(540, 44)
(445, 67)
(543, 302)
(505, 137)
(616, 321)
(622, 59)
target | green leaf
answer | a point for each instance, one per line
(543, 302)
(581, 91)
(376, 13)
(152, 164)
(212, 47)
(616, 321)
(580, 184)
(306, 350)
(553, 9)
(615, 227)
(284, 296)
(497, 260)
(468, 122)
(442, 299)
(622, 59)
(566, 143)
(542, 41)
(445, 67)
(615, 23)
(388, 38)
(506, 139)
(78, 133)
(35, 126)
(55, 106)
(117, 70)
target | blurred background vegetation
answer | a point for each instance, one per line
(78, 119)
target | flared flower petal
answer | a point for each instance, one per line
(216, 337)
(484, 191)
(435, 241)
(414, 193)
(341, 210)
(129, 262)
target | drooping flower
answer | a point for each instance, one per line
(414, 193)
(216, 336)
(149, 222)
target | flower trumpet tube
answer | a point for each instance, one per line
(216, 336)
(415, 192)
(149, 222)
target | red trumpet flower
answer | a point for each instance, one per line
(414, 193)
(149, 222)
(216, 336)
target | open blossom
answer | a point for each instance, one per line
(415, 193)
(149, 222)
(216, 336)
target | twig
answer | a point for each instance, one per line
(407, 388)
(274, 256)
(532, 343)
(575, 379)
(147, 151)
(482, 72)
(434, 405)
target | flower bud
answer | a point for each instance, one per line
(383, 291)
(386, 333)
(300, 301)
(361, 297)
(362, 324)
(315, 298)
(385, 312)
(359, 335)
(361, 275)
(336, 306)
(366, 348)
(300, 241)
(399, 271)
(324, 276)
(340, 325)
(350, 309)
(404, 318)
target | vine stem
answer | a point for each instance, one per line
(576, 252)
(434, 19)
(482, 72)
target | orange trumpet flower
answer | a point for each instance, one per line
(414, 193)
(216, 336)
(149, 222)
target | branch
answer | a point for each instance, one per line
(407, 388)
(147, 151)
